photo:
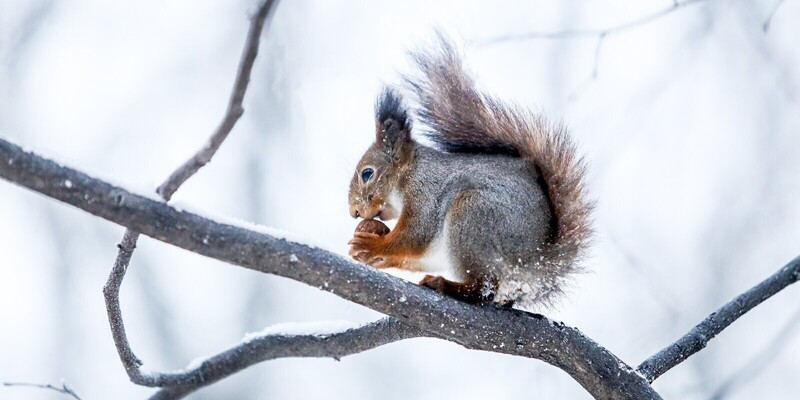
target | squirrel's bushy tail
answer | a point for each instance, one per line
(461, 119)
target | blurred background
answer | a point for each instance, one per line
(691, 126)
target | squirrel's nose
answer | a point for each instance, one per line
(354, 211)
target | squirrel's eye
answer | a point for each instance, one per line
(366, 174)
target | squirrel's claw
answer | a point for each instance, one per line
(381, 262)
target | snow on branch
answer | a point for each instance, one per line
(279, 344)
(697, 338)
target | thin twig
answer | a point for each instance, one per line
(65, 389)
(168, 188)
(768, 22)
(235, 108)
(697, 338)
(587, 33)
(599, 34)
(249, 352)
(595, 66)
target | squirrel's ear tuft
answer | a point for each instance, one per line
(393, 127)
(389, 109)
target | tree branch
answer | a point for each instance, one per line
(235, 108)
(600, 35)
(768, 22)
(697, 338)
(269, 347)
(126, 247)
(588, 33)
(482, 328)
(414, 311)
(65, 389)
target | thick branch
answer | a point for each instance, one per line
(484, 328)
(697, 338)
(126, 247)
(249, 352)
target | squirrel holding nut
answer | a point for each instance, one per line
(494, 210)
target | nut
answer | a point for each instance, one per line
(372, 226)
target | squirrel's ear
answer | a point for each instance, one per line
(393, 127)
(394, 139)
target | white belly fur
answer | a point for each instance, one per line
(438, 259)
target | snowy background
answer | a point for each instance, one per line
(692, 128)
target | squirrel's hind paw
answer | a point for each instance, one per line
(469, 292)
(434, 282)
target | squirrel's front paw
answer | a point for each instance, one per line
(363, 246)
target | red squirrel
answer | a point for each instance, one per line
(497, 201)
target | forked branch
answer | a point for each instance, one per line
(484, 328)
(128, 244)
(335, 345)
(599, 34)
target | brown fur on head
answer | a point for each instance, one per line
(378, 174)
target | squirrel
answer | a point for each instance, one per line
(496, 201)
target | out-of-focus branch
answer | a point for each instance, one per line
(600, 35)
(269, 347)
(648, 279)
(65, 389)
(489, 328)
(167, 189)
(697, 338)
(753, 367)
(768, 21)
